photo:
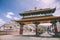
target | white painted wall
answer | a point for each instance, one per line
(58, 26)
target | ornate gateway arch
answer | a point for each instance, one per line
(37, 17)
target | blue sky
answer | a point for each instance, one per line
(10, 9)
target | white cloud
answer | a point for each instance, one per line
(37, 0)
(57, 13)
(49, 4)
(46, 3)
(16, 18)
(9, 14)
(1, 22)
(41, 4)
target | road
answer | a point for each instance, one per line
(18, 37)
(44, 36)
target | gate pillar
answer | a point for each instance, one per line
(36, 23)
(55, 26)
(21, 28)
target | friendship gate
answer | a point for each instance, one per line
(38, 16)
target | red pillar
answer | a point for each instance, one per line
(36, 30)
(21, 30)
(55, 28)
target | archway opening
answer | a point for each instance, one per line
(29, 29)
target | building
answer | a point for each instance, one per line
(11, 27)
(38, 16)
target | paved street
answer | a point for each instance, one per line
(18, 37)
(28, 37)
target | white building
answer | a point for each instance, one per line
(10, 25)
